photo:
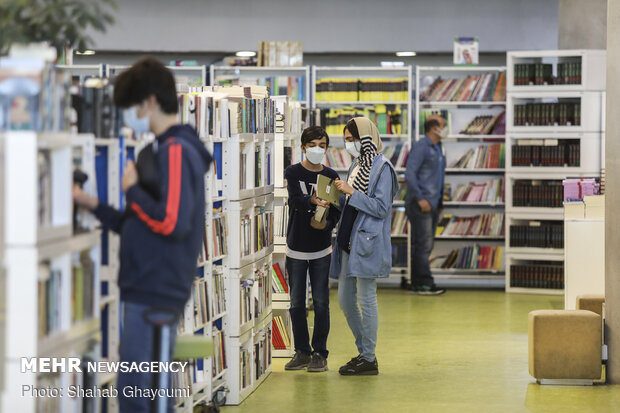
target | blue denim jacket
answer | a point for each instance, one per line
(371, 239)
(425, 172)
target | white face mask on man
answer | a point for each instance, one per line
(315, 154)
(131, 119)
(444, 132)
(353, 148)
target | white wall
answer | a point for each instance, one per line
(331, 25)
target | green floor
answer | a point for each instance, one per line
(465, 351)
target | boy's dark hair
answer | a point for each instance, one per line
(430, 124)
(145, 78)
(313, 132)
(351, 126)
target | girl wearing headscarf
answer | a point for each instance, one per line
(363, 250)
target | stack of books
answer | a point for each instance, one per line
(576, 188)
(388, 118)
(547, 114)
(281, 340)
(485, 225)
(541, 275)
(473, 257)
(400, 224)
(546, 152)
(486, 125)
(362, 89)
(537, 193)
(537, 234)
(568, 73)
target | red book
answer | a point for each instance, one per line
(280, 275)
(275, 334)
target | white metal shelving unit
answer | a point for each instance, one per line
(199, 73)
(360, 72)
(456, 144)
(589, 92)
(31, 242)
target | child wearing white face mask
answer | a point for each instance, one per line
(309, 250)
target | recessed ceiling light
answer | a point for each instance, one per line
(245, 53)
(405, 54)
(85, 53)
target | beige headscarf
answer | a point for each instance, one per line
(371, 146)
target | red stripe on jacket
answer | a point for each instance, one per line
(166, 226)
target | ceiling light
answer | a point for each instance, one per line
(405, 54)
(245, 53)
(85, 53)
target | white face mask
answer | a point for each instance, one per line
(444, 133)
(315, 154)
(131, 119)
(353, 148)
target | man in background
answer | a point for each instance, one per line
(425, 178)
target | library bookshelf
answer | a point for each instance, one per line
(384, 94)
(554, 130)
(460, 112)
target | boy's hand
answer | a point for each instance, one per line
(425, 206)
(84, 200)
(316, 201)
(344, 187)
(130, 176)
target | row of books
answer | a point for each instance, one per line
(489, 191)
(245, 367)
(291, 86)
(33, 96)
(362, 89)
(549, 276)
(402, 192)
(390, 119)
(281, 213)
(486, 125)
(400, 223)
(262, 354)
(337, 158)
(484, 87)
(203, 254)
(281, 339)
(568, 73)
(200, 298)
(278, 279)
(262, 300)
(44, 188)
(93, 103)
(182, 380)
(536, 193)
(538, 234)
(245, 302)
(82, 287)
(547, 114)
(246, 236)
(220, 234)
(482, 157)
(400, 253)
(472, 257)
(49, 296)
(263, 228)
(479, 225)
(222, 111)
(219, 356)
(546, 152)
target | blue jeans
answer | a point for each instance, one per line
(137, 345)
(319, 280)
(364, 325)
(423, 227)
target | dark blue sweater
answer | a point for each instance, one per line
(301, 237)
(161, 238)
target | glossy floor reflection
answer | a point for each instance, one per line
(465, 351)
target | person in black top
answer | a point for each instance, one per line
(309, 248)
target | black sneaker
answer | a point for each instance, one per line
(317, 364)
(427, 290)
(359, 366)
(299, 361)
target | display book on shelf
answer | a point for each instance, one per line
(470, 235)
(52, 265)
(555, 130)
(382, 94)
(238, 123)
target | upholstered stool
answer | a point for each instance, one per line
(564, 346)
(591, 302)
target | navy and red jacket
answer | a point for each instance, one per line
(161, 238)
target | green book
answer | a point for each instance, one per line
(327, 191)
